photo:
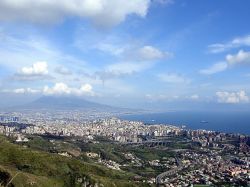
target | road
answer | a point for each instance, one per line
(159, 178)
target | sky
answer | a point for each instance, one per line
(159, 54)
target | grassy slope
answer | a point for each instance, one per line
(20, 179)
(44, 169)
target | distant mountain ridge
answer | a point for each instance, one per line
(62, 102)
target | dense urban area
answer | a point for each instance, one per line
(154, 155)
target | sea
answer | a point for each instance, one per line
(223, 121)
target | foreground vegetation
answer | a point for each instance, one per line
(22, 166)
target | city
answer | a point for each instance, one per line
(198, 156)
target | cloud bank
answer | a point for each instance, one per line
(232, 97)
(101, 12)
(38, 68)
(64, 89)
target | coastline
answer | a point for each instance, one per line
(227, 122)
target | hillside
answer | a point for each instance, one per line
(20, 166)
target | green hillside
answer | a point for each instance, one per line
(20, 166)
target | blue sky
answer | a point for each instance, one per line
(160, 54)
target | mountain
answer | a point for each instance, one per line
(52, 102)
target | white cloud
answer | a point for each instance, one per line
(101, 12)
(57, 89)
(129, 57)
(194, 97)
(37, 71)
(240, 58)
(232, 97)
(86, 88)
(151, 53)
(235, 43)
(133, 53)
(64, 89)
(139, 60)
(173, 78)
(38, 68)
(121, 46)
(215, 68)
(18, 53)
